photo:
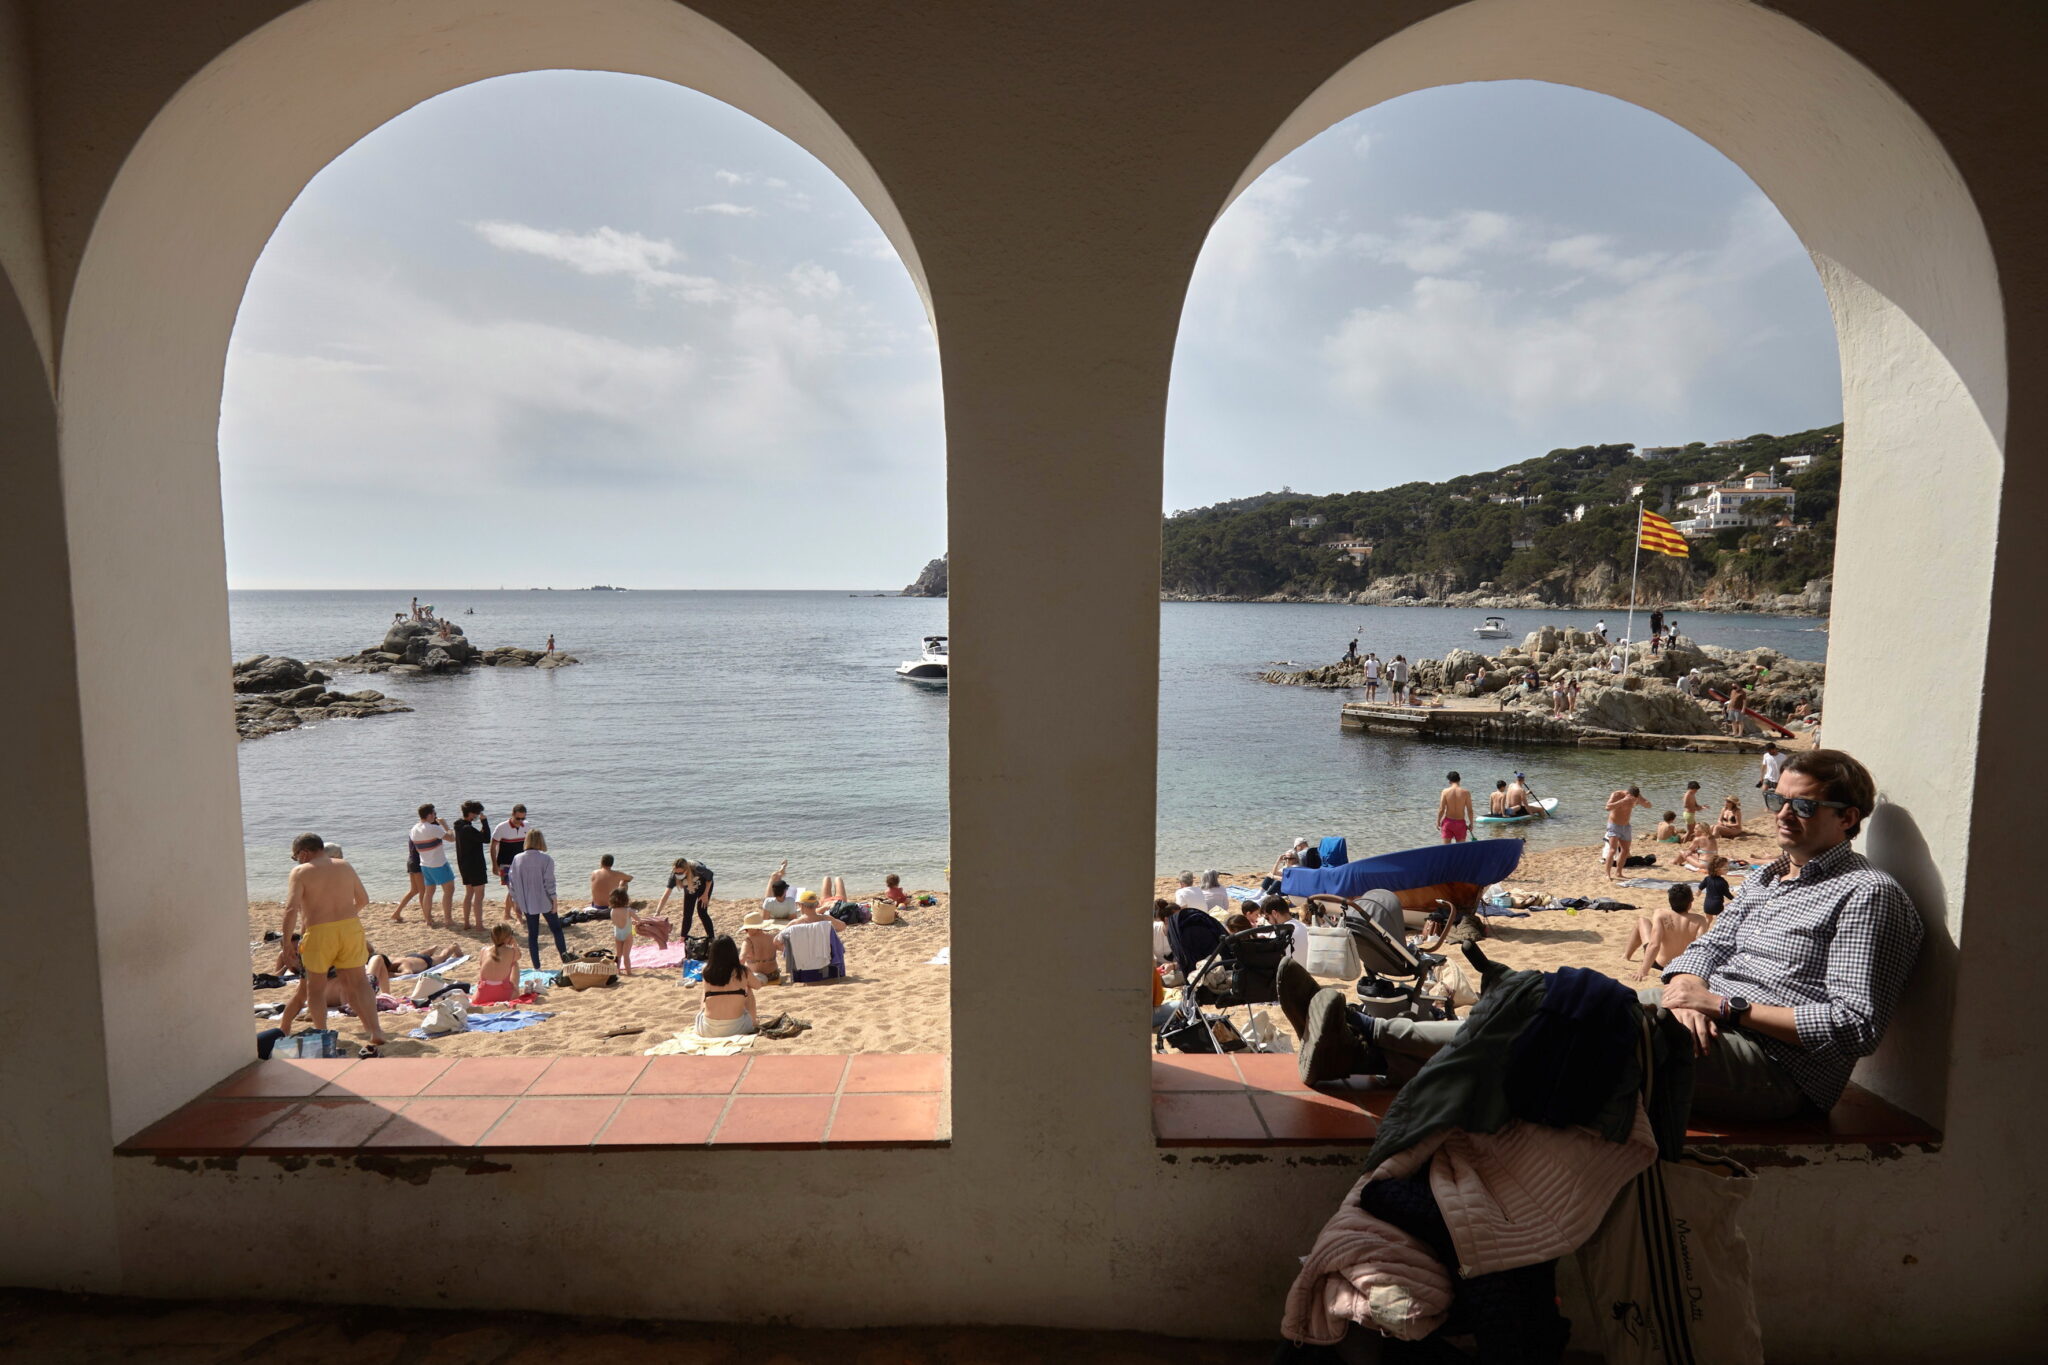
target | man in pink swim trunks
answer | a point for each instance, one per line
(1454, 812)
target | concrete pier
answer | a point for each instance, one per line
(1488, 725)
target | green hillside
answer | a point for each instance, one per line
(1454, 534)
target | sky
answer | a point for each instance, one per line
(568, 328)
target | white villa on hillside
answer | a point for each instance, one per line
(1305, 520)
(1728, 506)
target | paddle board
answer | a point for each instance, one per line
(1546, 804)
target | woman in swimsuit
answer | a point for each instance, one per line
(727, 1009)
(384, 966)
(1729, 826)
(497, 981)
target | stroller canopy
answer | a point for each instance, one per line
(1480, 863)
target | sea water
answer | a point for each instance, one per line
(742, 728)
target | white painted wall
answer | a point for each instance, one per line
(1058, 167)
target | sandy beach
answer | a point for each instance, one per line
(891, 1000)
(894, 998)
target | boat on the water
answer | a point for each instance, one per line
(1543, 807)
(1492, 628)
(930, 668)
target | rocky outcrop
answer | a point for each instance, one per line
(1594, 592)
(410, 648)
(930, 583)
(274, 693)
(1642, 699)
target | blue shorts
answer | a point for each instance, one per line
(437, 876)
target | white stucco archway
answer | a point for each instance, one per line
(1909, 275)
(143, 349)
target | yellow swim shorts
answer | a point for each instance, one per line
(338, 943)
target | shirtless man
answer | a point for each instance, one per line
(1454, 811)
(326, 898)
(1518, 796)
(1621, 808)
(603, 881)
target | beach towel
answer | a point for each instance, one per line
(810, 946)
(1501, 911)
(449, 965)
(1240, 893)
(532, 979)
(647, 955)
(498, 1021)
(693, 1044)
(942, 958)
(1658, 883)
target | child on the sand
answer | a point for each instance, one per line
(622, 928)
(497, 980)
(892, 887)
(1667, 828)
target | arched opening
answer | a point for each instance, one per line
(1431, 365)
(183, 228)
(567, 329)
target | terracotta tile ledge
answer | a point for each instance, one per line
(499, 1105)
(1258, 1100)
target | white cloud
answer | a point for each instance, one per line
(729, 210)
(606, 251)
(1362, 144)
(814, 281)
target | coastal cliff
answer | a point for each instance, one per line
(930, 583)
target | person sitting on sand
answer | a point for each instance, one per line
(1270, 883)
(622, 929)
(1210, 895)
(385, 966)
(1702, 851)
(1667, 828)
(1280, 914)
(811, 955)
(497, 980)
(604, 879)
(757, 954)
(779, 905)
(727, 1006)
(1729, 826)
(892, 888)
(1663, 934)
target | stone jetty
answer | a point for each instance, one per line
(1474, 696)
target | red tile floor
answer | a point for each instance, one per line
(1251, 1100)
(562, 1104)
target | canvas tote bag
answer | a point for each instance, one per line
(1668, 1269)
(1330, 952)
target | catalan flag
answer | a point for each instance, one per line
(1661, 536)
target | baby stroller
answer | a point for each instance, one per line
(1400, 982)
(1242, 970)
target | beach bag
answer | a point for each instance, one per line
(885, 912)
(426, 986)
(1498, 896)
(1667, 1270)
(583, 975)
(450, 1014)
(1331, 952)
(695, 949)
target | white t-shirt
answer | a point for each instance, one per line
(1400, 667)
(1202, 898)
(784, 909)
(1372, 669)
(1774, 766)
(1298, 950)
(423, 834)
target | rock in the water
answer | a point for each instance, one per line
(1459, 662)
(366, 694)
(269, 674)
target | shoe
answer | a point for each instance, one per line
(1330, 1049)
(1296, 988)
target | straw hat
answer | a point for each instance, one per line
(753, 919)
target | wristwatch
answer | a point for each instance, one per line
(1733, 1009)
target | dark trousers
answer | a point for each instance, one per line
(695, 905)
(533, 937)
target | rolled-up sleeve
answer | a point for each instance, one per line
(1876, 938)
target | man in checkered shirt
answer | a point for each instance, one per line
(1800, 974)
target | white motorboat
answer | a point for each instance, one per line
(1492, 628)
(930, 667)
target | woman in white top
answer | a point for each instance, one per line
(1210, 895)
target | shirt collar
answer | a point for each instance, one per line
(1819, 867)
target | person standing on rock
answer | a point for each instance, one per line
(508, 841)
(1351, 653)
(1621, 809)
(1372, 677)
(1454, 811)
(431, 837)
(472, 842)
(1399, 672)
(551, 645)
(1600, 631)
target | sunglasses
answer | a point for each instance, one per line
(1805, 807)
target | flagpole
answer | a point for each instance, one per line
(1634, 570)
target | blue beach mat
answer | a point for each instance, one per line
(497, 1021)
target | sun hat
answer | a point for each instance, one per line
(753, 919)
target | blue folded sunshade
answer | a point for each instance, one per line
(1482, 863)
